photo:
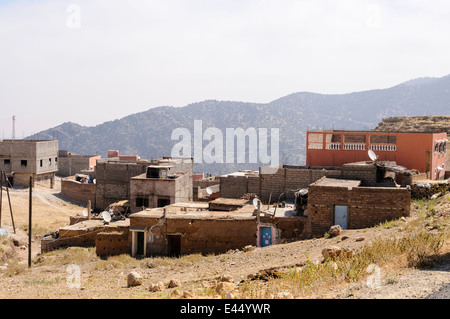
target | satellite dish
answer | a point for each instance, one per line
(255, 202)
(106, 216)
(85, 212)
(372, 155)
(209, 190)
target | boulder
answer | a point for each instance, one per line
(331, 252)
(226, 278)
(157, 287)
(347, 252)
(188, 294)
(335, 230)
(134, 279)
(173, 283)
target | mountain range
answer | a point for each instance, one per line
(148, 133)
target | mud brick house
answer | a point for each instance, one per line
(22, 159)
(199, 227)
(70, 164)
(348, 204)
(109, 239)
(424, 152)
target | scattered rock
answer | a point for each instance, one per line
(209, 284)
(347, 252)
(335, 230)
(225, 287)
(226, 278)
(188, 294)
(403, 219)
(173, 283)
(248, 248)
(134, 279)
(157, 287)
(344, 237)
(361, 238)
(175, 293)
(331, 252)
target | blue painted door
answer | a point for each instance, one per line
(340, 216)
(265, 236)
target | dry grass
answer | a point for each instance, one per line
(419, 249)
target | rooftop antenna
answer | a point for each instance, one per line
(372, 155)
(14, 127)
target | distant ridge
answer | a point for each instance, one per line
(148, 133)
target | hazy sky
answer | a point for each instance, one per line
(98, 60)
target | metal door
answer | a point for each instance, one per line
(265, 236)
(340, 216)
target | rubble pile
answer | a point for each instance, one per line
(429, 191)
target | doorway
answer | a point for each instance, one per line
(265, 236)
(174, 242)
(140, 243)
(340, 215)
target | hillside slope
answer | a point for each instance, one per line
(149, 133)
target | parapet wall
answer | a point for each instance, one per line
(78, 192)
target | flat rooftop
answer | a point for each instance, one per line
(195, 210)
(243, 173)
(332, 182)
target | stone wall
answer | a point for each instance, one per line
(113, 181)
(290, 178)
(367, 206)
(73, 164)
(236, 186)
(111, 243)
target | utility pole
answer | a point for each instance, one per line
(29, 222)
(9, 201)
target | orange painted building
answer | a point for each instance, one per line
(425, 152)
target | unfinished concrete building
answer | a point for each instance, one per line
(113, 180)
(115, 177)
(352, 206)
(70, 164)
(22, 159)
